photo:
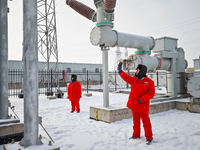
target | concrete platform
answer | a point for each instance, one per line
(7, 121)
(47, 145)
(88, 94)
(118, 113)
(11, 129)
(194, 107)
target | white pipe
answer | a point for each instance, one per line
(134, 41)
(105, 78)
(104, 35)
(152, 63)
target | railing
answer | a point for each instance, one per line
(91, 81)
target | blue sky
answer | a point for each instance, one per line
(157, 18)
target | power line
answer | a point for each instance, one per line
(190, 42)
(187, 31)
(173, 26)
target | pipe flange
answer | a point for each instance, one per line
(105, 23)
(96, 36)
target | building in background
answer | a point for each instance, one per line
(67, 67)
(196, 63)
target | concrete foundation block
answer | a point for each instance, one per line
(51, 97)
(115, 114)
(10, 129)
(182, 105)
(109, 114)
(160, 107)
(88, 94)
(8, 121)
(194, 107)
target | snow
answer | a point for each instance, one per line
(174, 129)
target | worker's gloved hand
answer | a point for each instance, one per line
(139, 101)
(119, 68)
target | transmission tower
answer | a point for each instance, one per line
(47, 34)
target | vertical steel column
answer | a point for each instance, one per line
(30, 52)
(3, 60)
(174, 79)
(173, 56)
(105, 77)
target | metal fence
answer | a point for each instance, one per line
(91, 81)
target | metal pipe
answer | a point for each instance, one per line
(3, 60)
(30, 52)
(47, 133)
(105, 77)
(135, 41)
(104, 35)
(153, 63)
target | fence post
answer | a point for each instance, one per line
(51, 83)
(87, 81)
(11, 81)
(115, 82)
(100, 78)
(157, 80)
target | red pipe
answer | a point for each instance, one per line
(81, 8)
(109, 4)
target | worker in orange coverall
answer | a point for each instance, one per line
(74, 93)
(64, 75)
(142, 91)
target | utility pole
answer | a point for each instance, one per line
(30, 55)
(4, 60)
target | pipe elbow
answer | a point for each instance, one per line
(154, 43)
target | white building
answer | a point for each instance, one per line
(67, 67)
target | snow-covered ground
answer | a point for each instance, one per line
(173, 130)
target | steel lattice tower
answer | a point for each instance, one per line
(47, 34)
